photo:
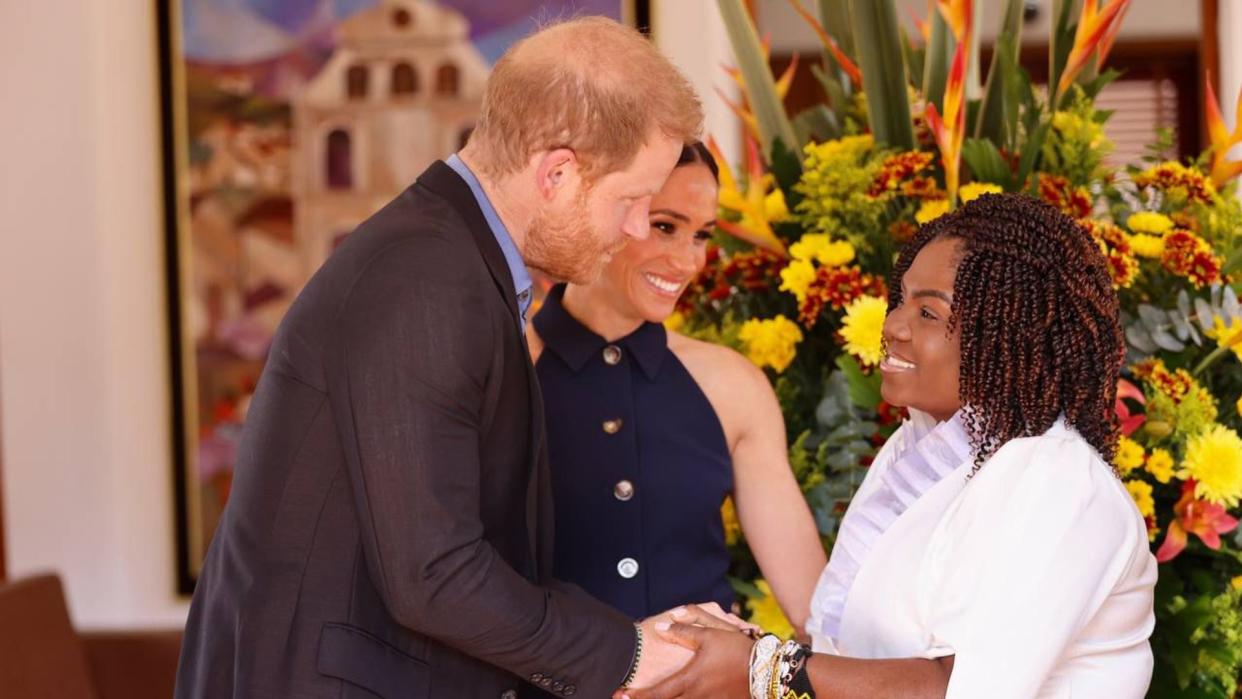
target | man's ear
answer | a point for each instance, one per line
(555, 170)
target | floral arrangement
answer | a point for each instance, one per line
(827, 198)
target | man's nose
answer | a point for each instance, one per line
(636, 224)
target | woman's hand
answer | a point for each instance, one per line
(721, 663)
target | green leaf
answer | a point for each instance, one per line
(864, 389)
(817, 123)
(1093, 86)
(1060, 40)
(884, 71)
(835, 16)
(912, 55)
(1030, 151)
(986, 163)
(745, 589)
(786, 167)
(1234, 263)
(939, 55)
(997, 96)
(1020, 105)
(769, 111)
(838, 102)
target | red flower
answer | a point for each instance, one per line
(1130, 422)
(1188, 255)
(1056, 190)
(1203, 519)
(897, 169)
(837, 287)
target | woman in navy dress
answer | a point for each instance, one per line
(649, 431)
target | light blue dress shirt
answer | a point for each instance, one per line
(522, 284)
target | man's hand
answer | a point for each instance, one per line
(720, 667)
(660, 656)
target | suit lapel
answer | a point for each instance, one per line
(441, 179)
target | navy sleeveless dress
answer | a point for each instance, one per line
(640, 467)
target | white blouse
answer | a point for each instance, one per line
(1035, 574)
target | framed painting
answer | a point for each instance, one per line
(285, 124)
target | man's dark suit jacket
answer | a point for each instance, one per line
(389, 527)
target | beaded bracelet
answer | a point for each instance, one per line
(792, 679)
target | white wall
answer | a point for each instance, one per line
(1229, 31)
(83, 359)
(83, 337)
(692, 34)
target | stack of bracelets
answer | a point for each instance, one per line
(778, 670)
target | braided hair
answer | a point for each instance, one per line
(1038, 319)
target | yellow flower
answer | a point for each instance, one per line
(1227, 336)
(1160, 465)
(841, 151)
(1148, 246)
(1214, 461)
(809, 246)
(931, 210)
(1237, 583)
(767, 614)
(1149, 222)
(772, 342)
(836, 254)
(1141, 492)
(675, 322)
(1129, 456)
(796, 278)
(863, 328)
(1074, 127)
(728, 517)
(820, 247)
(774, 206)
(974, 190)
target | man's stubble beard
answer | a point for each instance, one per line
(566, 246)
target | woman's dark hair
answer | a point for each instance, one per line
(698, 153)
(1040, 333)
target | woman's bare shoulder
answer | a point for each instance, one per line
(731, 382)
(698, 355)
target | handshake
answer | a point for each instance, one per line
(691, 651)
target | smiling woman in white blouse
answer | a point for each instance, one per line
(991, 551)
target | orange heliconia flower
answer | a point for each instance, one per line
(1223, 169)
(1097, 30)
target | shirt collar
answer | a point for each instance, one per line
(517, 266)
(576, 345)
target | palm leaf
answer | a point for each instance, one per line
(995, 109)
(835, 16)
(1060, 40)
(884, 72)
(766, 105)
(940, 48)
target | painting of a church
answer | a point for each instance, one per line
(401, 90)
